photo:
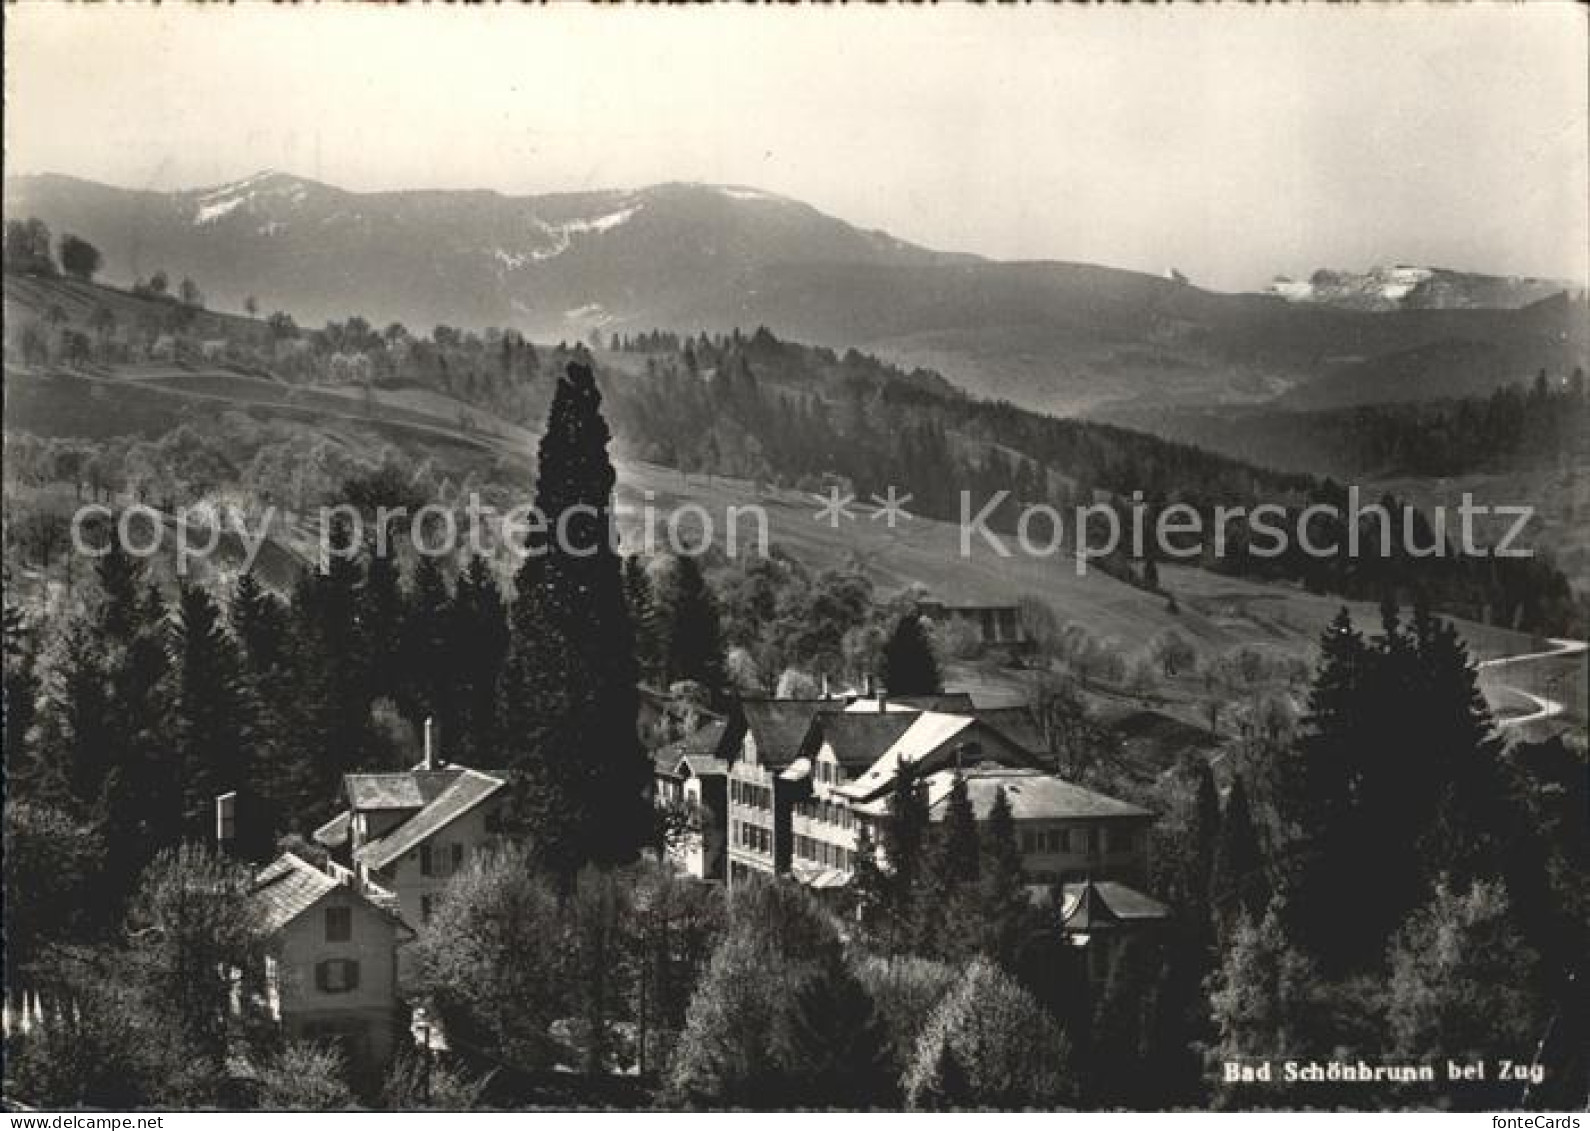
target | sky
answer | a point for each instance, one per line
(1233, 144)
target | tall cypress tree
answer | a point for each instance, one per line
(582, 780)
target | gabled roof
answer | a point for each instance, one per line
(404, 789)
(1018, 724)
(858, 738)
(289, 886)
(698, 754)
(928, 731)
(468, 789)
(781, 727)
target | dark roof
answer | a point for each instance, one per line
(860, 738)
(286, 888)
(1095, 904)
(469, 788)
(289, 886)
(703, 750)
(781, 727)
(403, 789)
(954, 702)
(1018, 724)
(1037, 796)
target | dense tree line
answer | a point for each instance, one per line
(1537, 423)
(1389, 837)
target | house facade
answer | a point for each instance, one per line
(331, 964)
(692, 785)
(405, 834)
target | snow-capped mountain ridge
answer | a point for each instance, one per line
(1405, 286)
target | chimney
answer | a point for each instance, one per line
(430, 743)
(226, 822)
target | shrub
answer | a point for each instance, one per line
(305, 1077)
(904, 991)
(779, 1019)
(988, 1044)
(487, 963)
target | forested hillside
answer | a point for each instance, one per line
(753, 406)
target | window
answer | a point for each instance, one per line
(458, 857)
(339, 924)
(1028, 841)
(1065, 840)
(337, 976)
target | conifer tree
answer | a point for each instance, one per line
(643, 614)
(426, 655)
(380, 612)
(1239, 885)
(1316, 791)
(211, 723)
(1005, 907)
(904, 842)
(908, 665)
(581, 778)
(949, 919)
(479, 645)
(956, 860)
(283, 784)
(695, 644)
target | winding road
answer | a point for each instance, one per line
(1545, 708)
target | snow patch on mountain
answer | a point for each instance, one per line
(213, 204)
(210, 212)
(597, 224)
(559, 237)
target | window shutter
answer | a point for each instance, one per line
(323, 976)
(458, 857)
(351, 982)
(425, 859)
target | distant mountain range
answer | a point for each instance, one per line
(1419, 288)
(1058, 337)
